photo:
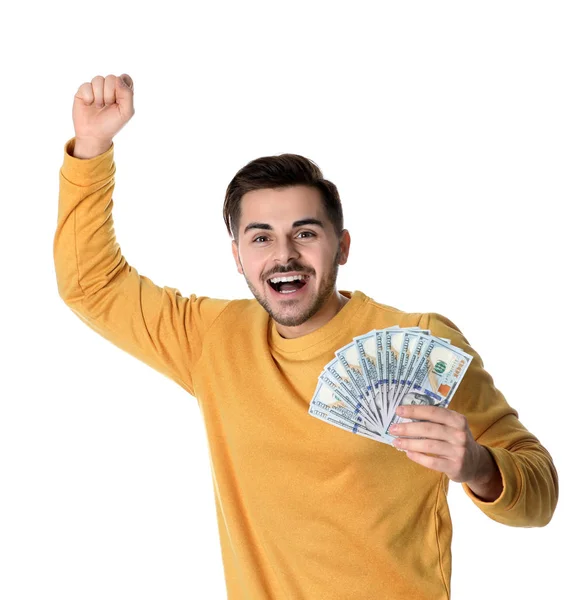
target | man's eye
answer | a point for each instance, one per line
(309, 233)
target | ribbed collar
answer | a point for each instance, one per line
(331, 328)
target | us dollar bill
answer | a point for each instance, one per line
(366, 346)
(439, 373)
(342, 395)
(349, 357)
(328, 407)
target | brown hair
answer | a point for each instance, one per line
(281, 171)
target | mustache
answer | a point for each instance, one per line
(287, 269)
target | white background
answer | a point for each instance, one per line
(452, 131)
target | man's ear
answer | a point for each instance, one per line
(237, 257)
(344, 244)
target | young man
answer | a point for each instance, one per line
(305, 510)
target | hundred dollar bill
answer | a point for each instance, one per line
(391, 348)
(440, 370)
(344, 397)
(384, 359)
(415, 349)
(338, 374)
(326, 407)
(349, 357)
(404, 356)
(338, 404)
(389, 359)
(381, 372)
(394, 340)
(366, 347)
(405, 345)
(418, 361)
(416, 370)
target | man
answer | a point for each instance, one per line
(305, 510)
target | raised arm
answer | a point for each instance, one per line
(157, 325)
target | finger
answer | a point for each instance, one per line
(432, 462)
(98, 92)
(423, 429)
(436, 447)
(437, 414)
(109, 90)
(85, 92)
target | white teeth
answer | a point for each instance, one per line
(291, 278)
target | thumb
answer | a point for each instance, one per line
(125, 81)
(124, 93)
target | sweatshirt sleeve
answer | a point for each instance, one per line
(156, 325)
(529, 477)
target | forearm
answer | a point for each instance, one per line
(86, 253)
(530, 485)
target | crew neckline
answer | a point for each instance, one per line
(331, 327)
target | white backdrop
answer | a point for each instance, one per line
(453, 122)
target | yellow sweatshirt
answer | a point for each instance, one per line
(306, 511)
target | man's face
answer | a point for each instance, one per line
(273, 241)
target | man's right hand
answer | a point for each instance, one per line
(101, 109)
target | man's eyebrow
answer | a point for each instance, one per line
(309, 221)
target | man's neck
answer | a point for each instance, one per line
(335, 303)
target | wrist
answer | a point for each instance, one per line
(86, 148)
(487, 483)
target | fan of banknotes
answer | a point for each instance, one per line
(360, 389)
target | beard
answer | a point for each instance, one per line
(292, 316)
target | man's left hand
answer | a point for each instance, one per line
(448, 438)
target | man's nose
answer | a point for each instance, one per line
(285, 250)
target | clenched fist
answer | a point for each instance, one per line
(101, 109)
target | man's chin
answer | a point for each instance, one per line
(288, 319)
(290, 311)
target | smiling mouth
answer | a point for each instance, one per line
(287, 287)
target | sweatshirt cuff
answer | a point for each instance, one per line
(511, 485)
(85, 171)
